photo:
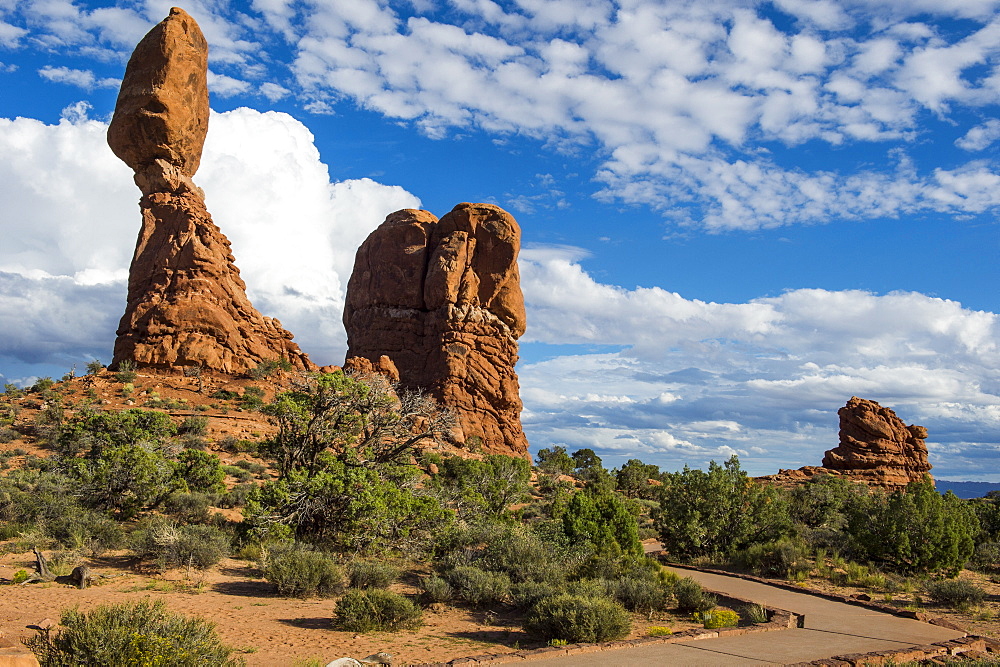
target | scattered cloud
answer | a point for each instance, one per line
(980, 137)
(682, 102)
(81, 78)
(226, 86)
(699, 379)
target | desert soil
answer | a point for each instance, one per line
(265, 628)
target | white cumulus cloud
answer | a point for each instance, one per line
(71, 219)
(692, 380)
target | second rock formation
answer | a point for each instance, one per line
(441, 299)
(876, 448)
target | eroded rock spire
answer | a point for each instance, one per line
(441, 299)
(187, 305)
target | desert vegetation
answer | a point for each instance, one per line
(351, 498)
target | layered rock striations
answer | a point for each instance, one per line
(876, 448)
(440, 301)
(187, 305)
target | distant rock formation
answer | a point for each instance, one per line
(441, 301)
(187, 305)
(876, 448)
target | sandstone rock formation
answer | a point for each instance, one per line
(441, 300)
(876, 445)
(876, 448)
(187, 305)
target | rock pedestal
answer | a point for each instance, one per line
(441, 299)
(187, 305)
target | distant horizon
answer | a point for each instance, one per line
(735, 217)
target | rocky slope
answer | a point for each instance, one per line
(187, 305)
(441, 301)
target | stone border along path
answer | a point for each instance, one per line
(824, 629)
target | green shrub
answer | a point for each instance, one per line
(126, 371)
(479, 587)
(142, 633)
(252, 398)
(640, 594)
(578, 619)
(224, 395)
(188, 507)
(987, 555)
(86, 530)
(375, 609)
(94, 367)
(436, 589)
(659, 631)
(201, 471)
(691, 597)
(955, 592)
(171, 545)
(193, 426)
(251, 467)
(239, 473)
(8, 434)
(782, 558)
(371, 574)
(237, 496)
(755, 613)
(529, 593)
(268, 368)
(718, 618)
(303, 573)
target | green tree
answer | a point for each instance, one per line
(91, 432)
(824, 501)
(482, 487)
(124, 479)
(916, 530)
(358, 420)
(345, 508)
(718, 512)
(632, 479)
(201, 471)
(555, 461)
(589, 468)
(605, 520)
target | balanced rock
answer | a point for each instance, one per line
(441, 301)
(876, 448)
(187, 305)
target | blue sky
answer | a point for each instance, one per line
(736, 215)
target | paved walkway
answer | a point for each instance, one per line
(830, 628)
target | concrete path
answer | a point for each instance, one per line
(829, 629)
